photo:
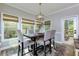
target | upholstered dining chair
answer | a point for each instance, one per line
(76, 46)
(46, 41)
(22, 43)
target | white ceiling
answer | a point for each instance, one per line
(47, 8)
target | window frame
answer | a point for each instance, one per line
(2, 27)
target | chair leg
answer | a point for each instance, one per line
(50, 46)
(53, 44)
(18, 50)
(44, 49)
(28, 48)
(22, 49)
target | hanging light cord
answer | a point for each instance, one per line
(40, 7)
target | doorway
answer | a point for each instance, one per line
(70, 28)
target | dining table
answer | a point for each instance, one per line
(34, 38)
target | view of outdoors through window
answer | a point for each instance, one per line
(24, 28)
(47, 25)
(37, 28)
(27, 28)
(10, 29)
(69, 28)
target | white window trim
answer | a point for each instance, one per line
(20, 23)
(2, 26)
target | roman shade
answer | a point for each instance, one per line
(27, 21)
(7, 17)
(38, 22)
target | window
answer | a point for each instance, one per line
(47, 25)
(10, 29)
(38, 25)
(10, 26)
(27, 26)
(69, 28)
(24, 28)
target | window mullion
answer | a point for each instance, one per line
(2, 27)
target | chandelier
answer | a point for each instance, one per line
(40, 15)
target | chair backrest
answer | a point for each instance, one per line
(20, 35)
(52, 34)
(47, 35)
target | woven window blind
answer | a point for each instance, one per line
(7, 17)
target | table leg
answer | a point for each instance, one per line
(53, 44)
(34, 47)
(22, 48)
(50, 46)
(35, 50)
(44, 49)
(18, 50)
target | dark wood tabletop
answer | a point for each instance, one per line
(31, 36)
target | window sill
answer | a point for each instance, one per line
(10, 39)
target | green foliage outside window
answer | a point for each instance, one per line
(69, 28)
(10, 29)
(27, 27)
(47, 25)
(38, 27)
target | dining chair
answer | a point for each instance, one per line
(22, 43)
(76, 47)
(46, 41)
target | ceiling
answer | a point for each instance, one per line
(46, 8)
